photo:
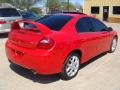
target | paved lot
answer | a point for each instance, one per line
(101, 74)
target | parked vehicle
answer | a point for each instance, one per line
(30, 16)
(7, 16)
(59, 43)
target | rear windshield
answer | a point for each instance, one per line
(55, 22)
(8, 12)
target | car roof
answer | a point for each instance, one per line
(78, 13)
(74, 14)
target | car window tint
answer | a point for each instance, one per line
(8, 12)
(55, 22)
(97, 25)
(84, 25)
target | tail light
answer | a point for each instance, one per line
(15, 26)
(45, 43)
(2, 22)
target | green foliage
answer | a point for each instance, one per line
(5, 1)
(22, 4)
(66, 7)
(60, 5)
(53, 4)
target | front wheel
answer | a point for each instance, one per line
(71, 66)
(113, 45)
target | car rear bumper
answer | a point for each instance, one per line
(44, 63)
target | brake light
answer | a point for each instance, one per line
(15, 26)
(2, 22)
(45, 43)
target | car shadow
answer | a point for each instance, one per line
(92, 60)
(45, 79)
(3, 35)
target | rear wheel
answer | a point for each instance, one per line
(71, 67)
(113, 45)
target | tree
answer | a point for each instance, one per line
(22, 4)
(68, 7)
(4, 1)
(53, 4)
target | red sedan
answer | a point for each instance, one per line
(59, 43)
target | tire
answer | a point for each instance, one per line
(71, 66)
(113, 45)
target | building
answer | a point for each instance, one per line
(106, 10)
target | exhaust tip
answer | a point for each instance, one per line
(34, 72)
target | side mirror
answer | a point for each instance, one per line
(109, 29)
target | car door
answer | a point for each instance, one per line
(104, 35)
(87, 39)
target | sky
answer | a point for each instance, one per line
(77, 1)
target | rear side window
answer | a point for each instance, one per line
(97, 25)
(84, 25)
(55, 22)
(8, 12)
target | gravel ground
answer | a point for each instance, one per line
(101, 74)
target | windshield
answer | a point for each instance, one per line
(8, 12)
(55, 22)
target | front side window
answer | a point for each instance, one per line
(97, 25)
(84, 25)
(55, 22)
(116, 9)
(95, 10)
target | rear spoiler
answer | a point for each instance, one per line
(43, 29)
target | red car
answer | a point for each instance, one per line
(59, 43)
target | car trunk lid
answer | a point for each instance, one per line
(27, 33)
